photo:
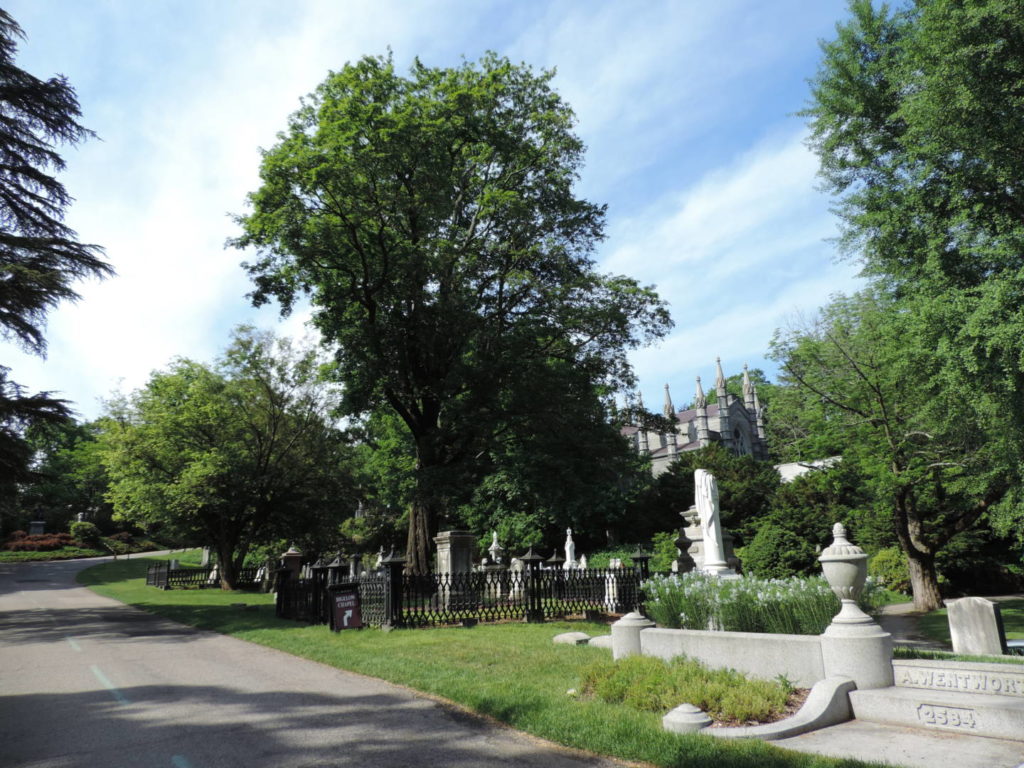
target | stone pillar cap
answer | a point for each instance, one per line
(634, 619)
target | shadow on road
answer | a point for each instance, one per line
(202, 726)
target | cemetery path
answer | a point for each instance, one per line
(88, 681)
(901, 621)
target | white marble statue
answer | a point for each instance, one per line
(570, 550)
(706, 498)
(495, 549)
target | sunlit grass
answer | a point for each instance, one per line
(935, 625)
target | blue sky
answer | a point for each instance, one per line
(687, 109)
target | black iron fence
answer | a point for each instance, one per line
(163, 576)
(391, 598)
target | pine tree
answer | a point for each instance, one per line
(40, 256)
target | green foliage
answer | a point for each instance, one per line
(799, 522)
(432, 221)
(889, 568)
(603, 558)
(745, 486)
(234, 455)
(653, 685)
(663, 546)
(916, 115)
(776, 553)
(86, 534)
(40, 256)
(792, 606)
(931, 460)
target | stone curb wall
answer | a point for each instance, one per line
(765, 656)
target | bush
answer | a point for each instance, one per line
(664, 550)
(653, 685)
(604, 557)
(87, 534)
(44, 542)
(777, 553)
(889, 568)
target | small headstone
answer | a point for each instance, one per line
(205, 561)
(601, 641)
(976, 626)
(685, 718)
(571, 638)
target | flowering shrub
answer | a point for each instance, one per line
(793, 606)
(19, 541)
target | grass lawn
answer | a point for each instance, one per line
(510, 672)
(935, 625)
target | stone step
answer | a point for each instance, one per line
(975, 714)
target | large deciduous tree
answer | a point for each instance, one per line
(917, 116)
(935, 457)
(433, 223)
(235, 454)
(40, 256)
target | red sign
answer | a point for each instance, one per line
(346, 613)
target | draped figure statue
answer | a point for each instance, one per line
(706, 498)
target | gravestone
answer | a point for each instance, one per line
(976, 626)
(455, 551)
(455, 557)
(37, 527)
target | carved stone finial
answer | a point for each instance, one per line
(719, 377)
(700, 401)
(668, 410)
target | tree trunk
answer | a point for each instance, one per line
(923, 581)
(419, 545)
(423, 515)
(226, 568)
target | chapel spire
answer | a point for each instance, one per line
(748, 392)
(668, 409)
(719, 380)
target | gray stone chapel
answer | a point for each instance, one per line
(736, 423)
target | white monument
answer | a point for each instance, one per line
(496, 550)
(570, 551)
(706, 497)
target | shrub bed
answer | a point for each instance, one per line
(654, 685)
(19, 541)
(794, 606)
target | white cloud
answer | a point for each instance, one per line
(733, 254)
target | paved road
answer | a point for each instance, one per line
(87, 681)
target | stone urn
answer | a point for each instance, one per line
(846, 569)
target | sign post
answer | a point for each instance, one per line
(344, 602)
